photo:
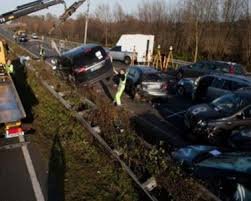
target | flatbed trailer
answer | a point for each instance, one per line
(11, 108)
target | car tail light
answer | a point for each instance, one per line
(81, 69)
(231, 70)
(14, 132)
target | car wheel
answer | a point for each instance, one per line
(179, 75)
(127, 60)
(181, 91)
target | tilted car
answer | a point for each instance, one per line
(215, 121)
(85, 64)
(228, 173)
(147, 82)
(210, 87)
(208, 67)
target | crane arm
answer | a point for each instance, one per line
(27, 9)
(68, 12)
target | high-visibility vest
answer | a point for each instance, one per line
(42, 52)
(122, 83)
(9, 68)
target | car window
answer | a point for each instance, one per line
(217, 83)
(152, 77)
(116, 49)
(209, 66)
(237, 85)
(197, 66)
(89, 57)
(221, 67)
(238, 69)
(227, 85)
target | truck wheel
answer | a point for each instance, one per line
(127, 60)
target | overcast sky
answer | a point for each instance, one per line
(129, 5)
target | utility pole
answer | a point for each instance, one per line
(87, 21)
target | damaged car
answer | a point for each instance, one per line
(85, 64)
(215, 121)
(228, 171)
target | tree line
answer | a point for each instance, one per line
(197, 29)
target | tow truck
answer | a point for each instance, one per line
(11, 108)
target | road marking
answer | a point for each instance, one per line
(34, 180)
(176, 114)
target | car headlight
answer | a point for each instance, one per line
(202, 123)
(54, 67)
(54, 61)
(196, 82)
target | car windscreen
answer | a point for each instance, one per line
(230, 103)
(154, 77)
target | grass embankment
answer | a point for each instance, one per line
(53, 123)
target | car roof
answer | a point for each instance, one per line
(78, 50)
(221, 62)
(145, 69)
(233, 77)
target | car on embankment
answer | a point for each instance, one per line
(85, 64)
(214, 121)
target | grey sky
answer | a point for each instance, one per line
(128, 5)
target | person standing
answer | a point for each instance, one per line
(121, 87)
(9, 68)
(42, 52)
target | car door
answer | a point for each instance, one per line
(216, 90)
(242, 118)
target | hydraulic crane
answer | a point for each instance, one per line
(28, 8)
(11, 110)
(68, 12)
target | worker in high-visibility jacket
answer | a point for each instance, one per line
(42, 52)
(9, 68)
(121, 87)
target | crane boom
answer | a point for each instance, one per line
(68, 12)
(27, 9)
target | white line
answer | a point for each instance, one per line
(35, 184)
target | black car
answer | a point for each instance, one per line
(228, 172)
(147, 82)
(215, 121)
(240, 139)
(85, 64)
(208, 67)
(210, 87)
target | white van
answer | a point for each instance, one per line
(141, 44)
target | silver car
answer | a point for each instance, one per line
(146, 81)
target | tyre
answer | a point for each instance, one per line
(127, 60)
(181, 91)
(179, 75)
